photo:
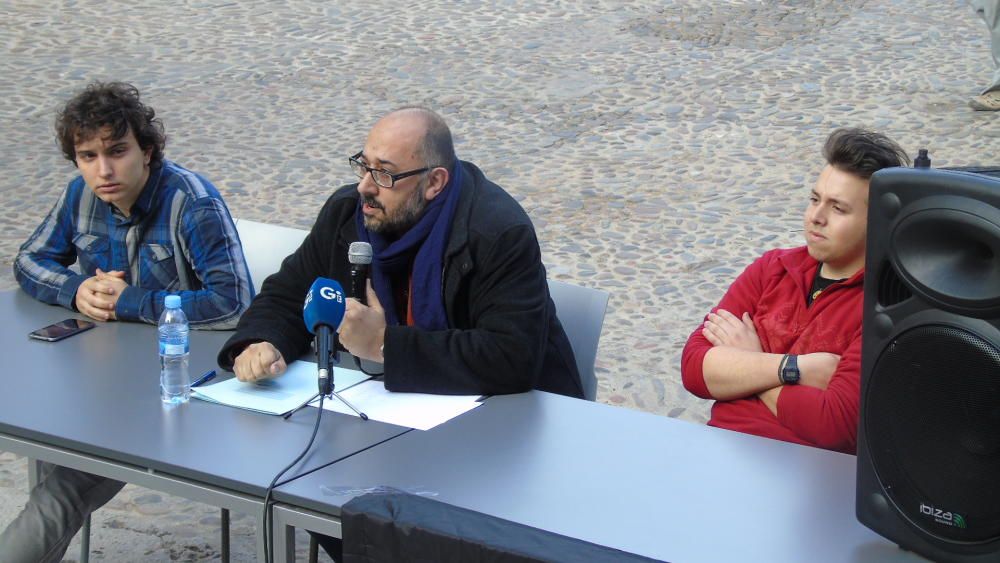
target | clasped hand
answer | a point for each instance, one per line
(97, 296)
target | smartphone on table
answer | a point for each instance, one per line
(60, 330)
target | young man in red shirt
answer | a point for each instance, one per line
(781, 353)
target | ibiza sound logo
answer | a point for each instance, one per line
(942, 516)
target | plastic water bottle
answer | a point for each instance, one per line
(175, 382)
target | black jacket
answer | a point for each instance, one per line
(506, 337)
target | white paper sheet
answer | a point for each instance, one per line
(414, 410)
(278, 395)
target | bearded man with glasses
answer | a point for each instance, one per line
(457, 302)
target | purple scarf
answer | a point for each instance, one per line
(428, 240)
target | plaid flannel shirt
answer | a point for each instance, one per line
(179, 238)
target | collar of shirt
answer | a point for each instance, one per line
(146, 200)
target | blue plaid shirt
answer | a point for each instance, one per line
(179, 238)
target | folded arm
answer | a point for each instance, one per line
(724, 358)
(826, 416)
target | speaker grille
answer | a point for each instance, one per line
(891, 289)
(932, 423)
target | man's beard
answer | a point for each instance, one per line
(399, 221)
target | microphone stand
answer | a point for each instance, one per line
(326, 384)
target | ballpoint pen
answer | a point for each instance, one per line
(207, 377)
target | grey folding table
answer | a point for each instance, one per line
(640, 483)
(92, 402)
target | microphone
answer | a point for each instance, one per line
(323, 310)
(360, 256)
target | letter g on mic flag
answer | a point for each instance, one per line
(324, 305)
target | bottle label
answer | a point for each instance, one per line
(173, 349)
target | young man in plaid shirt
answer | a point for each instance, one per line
(139, 227)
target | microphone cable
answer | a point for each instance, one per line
(266, 518)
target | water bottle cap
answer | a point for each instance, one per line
(172, 302)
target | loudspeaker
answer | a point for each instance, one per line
(929, 428)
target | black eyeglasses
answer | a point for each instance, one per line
(383, 178)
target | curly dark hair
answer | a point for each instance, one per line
(111, 104)
(862, 152)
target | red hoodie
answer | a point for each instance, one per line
(773, 290)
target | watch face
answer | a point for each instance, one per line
(790, 374)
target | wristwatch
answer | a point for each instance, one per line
(788, 370)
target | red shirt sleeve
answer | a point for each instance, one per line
(741, 297)
(827, 418)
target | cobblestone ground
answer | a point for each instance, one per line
(658, 146)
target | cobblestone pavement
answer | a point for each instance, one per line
(658, 146)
